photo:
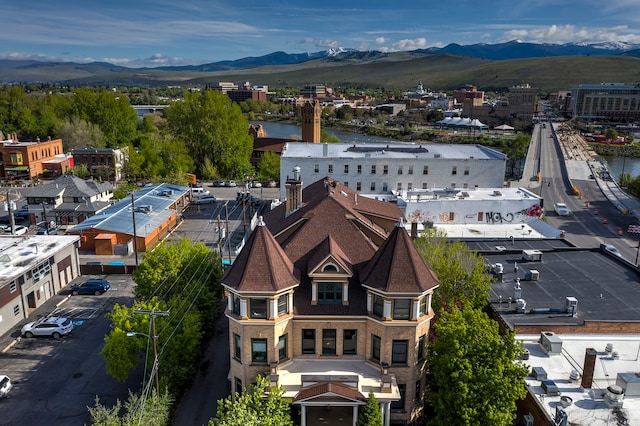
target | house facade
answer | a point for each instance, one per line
(330, 299)
(68, 200)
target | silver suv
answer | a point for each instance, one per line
(50, 326)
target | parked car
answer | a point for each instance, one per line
(561, 209)
(5, 385)
(611, 249)
(218, 183)
(21, 230)
(232, 183)
(256, 184)
(49, 326)
(205, 199)
(199, 192)
(51, 231)
(95, 286)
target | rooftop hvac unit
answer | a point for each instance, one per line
(532, 275)
(539, 373)
(551, 343)
(532, 255)
(550, 388)
(527, 420)
(144, 209)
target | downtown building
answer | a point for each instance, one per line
(330, 299)
(395, 168)
(610, 101)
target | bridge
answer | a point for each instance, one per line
(148, 109)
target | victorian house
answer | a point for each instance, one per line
(330, 299)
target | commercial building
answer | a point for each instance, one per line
(133, 225)
(102, 163)
(610, 101)
(32, 270)
(25, 160)
(397, 168)
(331, 299)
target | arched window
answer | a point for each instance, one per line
(330, 268)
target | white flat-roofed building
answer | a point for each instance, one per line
(386, 168)
(473, 206)
(32, 269)
(592, 381)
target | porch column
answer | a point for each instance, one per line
(387, 413)
(303, 415)
(355, 416)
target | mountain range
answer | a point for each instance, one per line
(285, 63)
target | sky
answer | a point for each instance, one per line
(150, 33)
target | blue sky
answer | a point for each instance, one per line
(138, 33)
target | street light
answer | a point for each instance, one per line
(152, 339)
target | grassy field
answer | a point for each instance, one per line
(400, 70)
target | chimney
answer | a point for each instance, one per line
(293, 190)
(414, 230)
(589, 367)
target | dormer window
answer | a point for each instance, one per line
(422, 309)
(236, 304)
(329, 292)
(378, 305)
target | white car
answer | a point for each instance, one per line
(5, 385)
(611, 249)
(50, 326)
(21, 230)
(561, 209)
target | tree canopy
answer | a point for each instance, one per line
(212, 126)
(370, 414)
(475, 379)
(461, 272)
(257, 406)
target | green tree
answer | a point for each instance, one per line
(460, 271)
(515, 149)
(212, 126)
(611, 134)
(269, 166)
(208, 171)
(77, 133)
(474, 378)
(81, 171)
(370, 414)
(153, 411)
(326, 137)
(253, 408)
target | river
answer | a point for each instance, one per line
(280, 130)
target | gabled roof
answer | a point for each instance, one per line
(329, 390)
(261, 266)
(70, 186)
(398, 268)
(332, 209)
(329, 248)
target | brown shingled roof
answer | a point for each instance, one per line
(331, 209)
(321, 389)
(326, 248)
(261, 266)
(397, 267)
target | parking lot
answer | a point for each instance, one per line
(56, 379)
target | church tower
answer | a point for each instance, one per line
(311, 114)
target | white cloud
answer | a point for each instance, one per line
(321, 43)
(380, 40)
(410, 44)
(572, 34)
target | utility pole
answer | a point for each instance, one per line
(135, 237)
(220, 242)
(152, 314)
(226, 218)
(44, 217)
(12, 220)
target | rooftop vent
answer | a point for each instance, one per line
(144, 208)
